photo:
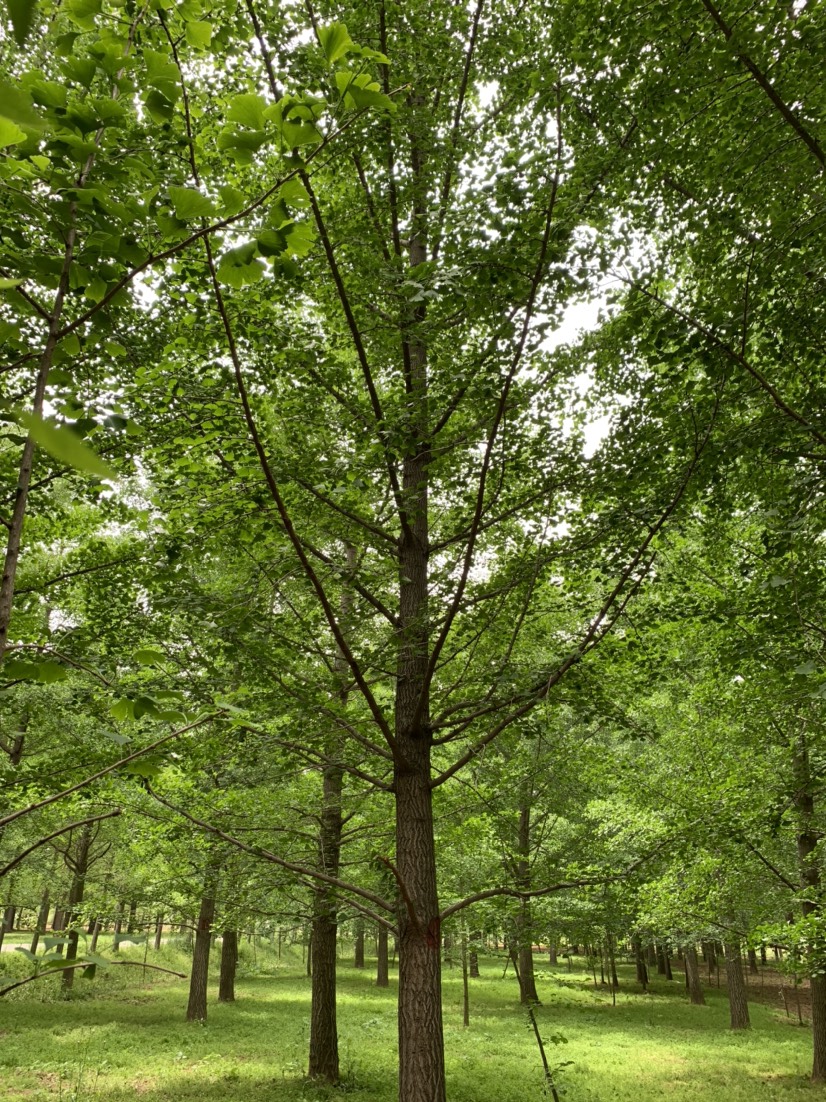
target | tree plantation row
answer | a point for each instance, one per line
(343, 578)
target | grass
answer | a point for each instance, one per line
(118, 1040)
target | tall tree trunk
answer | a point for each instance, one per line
(79, 864)
(737, 999)
(196, 1010)
(382, 966)
(229, 963)
(158, 932)
(753, 968)
(323, 1062)
(811, 897)
(692, 974)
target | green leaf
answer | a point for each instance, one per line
(362, 91)
(49, 672)
(10, 133)
(113, 736)
(199, 34)
(17, 106)
(17, 670)
(122, 709)
(7, 284)
(21, 14)
(62, 443)
(335, 41)
(190, 204)
(149, 656)
(27, 953)
(248, 110)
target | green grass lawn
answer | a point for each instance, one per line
(118, 1040)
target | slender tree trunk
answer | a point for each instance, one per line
(358, 944)
(382, 968)
(158, 932)
(737, 998)
(229, 963)
(465, 988)
(692, 974)
(553, 954)
(324, 1061)
(610, 946)
(523, 927)
(752, 957)
(196, 1010)
(642, 970)
(133, 912)
(79, 866)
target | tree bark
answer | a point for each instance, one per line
(692, 973)
(229, 963)
(196, 1010)
(737, 998)
(158, 932)
(639, 959)
(324, 1060)
(118, 928)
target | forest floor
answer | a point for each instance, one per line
(118, 1039)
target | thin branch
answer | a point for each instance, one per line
(63, 830)
(109, 769)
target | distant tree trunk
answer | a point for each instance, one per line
(752, 957)
(133, 912)
(710, 957)
(473, 956)
(382, 967)
(229, 963)
(553, 954)
(158, 932)
(692, 975)
(42, 919)
(78, 862)
(651, 954)
(662, 967)
(358, 944)
(737, 999)
(465, 988)
(196, 1010)
(639, 960)
(610, 947)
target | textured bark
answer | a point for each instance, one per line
(324, 1060)
(79, 864)
(229, 963)
(692, 974)
(196, 1010)
(382, 964)
(421, 1040)
(737, 998)
(553, 954)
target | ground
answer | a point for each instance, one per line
(119, 1039)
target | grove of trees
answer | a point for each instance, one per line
(343, 578)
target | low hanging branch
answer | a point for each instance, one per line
(56, 833)
(86, 964)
